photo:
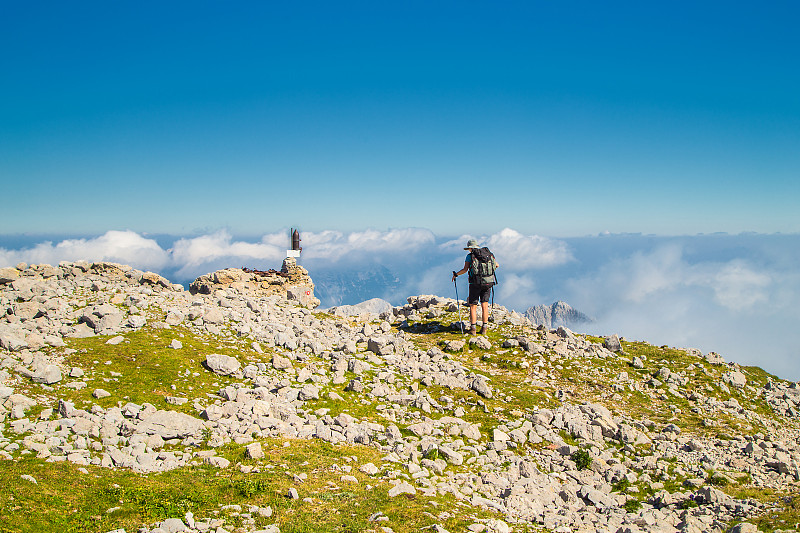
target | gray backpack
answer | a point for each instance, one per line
(481, 271)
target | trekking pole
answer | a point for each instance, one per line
(491, 313)
(460, 324)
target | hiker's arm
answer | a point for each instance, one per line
(462, 271)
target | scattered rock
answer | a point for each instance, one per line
(402, 487)
(224, 365)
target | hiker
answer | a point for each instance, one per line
(481, 264)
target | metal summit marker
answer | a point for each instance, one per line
(294, 240)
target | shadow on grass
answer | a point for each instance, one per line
(432, 327)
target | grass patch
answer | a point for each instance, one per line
(106, 499)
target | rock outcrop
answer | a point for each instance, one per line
(292, 280)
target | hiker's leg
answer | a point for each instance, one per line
(473, 311)
(484, 316)
(472, 300)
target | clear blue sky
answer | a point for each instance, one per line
(556, 118)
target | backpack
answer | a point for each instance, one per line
(481, 270)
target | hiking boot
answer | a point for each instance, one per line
(472, 330)
(484, 329)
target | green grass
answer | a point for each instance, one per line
(65, 500)
(143, 368)
(784, 506)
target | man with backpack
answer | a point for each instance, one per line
(481, 264)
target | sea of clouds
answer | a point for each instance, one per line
(733, 294)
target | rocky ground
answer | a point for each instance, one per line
(535, 428)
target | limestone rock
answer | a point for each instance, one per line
(254, 450)
(735, 379)
(481, 385)
(170, 425)
(373, 307)
(221, 364)
(8, 274)
(612, 343)
(48, 375)
(402, 487)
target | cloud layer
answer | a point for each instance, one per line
(732, 294)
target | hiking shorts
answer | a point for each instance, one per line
(478, 293)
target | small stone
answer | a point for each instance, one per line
(176, 344)
(100, 393)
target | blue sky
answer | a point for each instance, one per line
(590, 144)
(561, 119)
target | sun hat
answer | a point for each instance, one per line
(472, 243)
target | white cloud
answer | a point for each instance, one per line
(516, 251)
(662, 296)
(737, 286)
(521, 252)
(192, 257)
(336, 246)
(207, 248)
(125, 247)
(646, 274)
(518, 292)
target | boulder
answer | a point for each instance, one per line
(213, 316)
(254, 451)
(373, 307)
(735, 379)
(481, 386)
(223, 365)
(48, 375)
(170, 425)
(281, 363)
(12, 341)
(612, 343)
(404, 487)
(8, 274)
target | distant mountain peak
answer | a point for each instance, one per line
(557, 314)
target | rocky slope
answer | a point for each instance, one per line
(539, 427)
